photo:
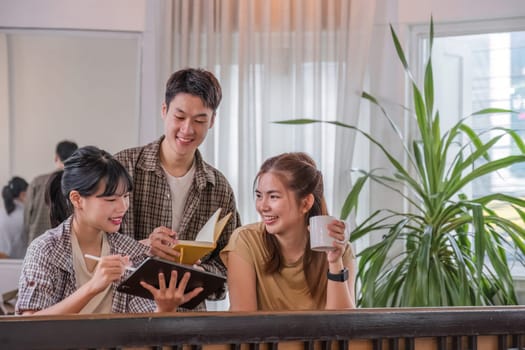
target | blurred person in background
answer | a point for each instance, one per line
(13, 241)
(36, 213)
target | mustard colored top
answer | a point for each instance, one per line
(284, 290)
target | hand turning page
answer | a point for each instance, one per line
(206, 240)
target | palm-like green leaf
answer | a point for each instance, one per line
(352, 198)
(446, 249)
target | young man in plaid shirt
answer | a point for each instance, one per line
(174, 190)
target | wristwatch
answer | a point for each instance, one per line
(338, 277)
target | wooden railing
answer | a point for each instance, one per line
(487, 328)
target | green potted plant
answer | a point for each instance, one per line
(446, 249)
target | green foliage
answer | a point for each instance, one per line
(447, 249)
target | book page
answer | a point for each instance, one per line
(219, 227)
(206, 234)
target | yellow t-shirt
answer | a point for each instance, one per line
(284, 290)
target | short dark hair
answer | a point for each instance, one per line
(197, 82)
(65, 149)
(83, 172)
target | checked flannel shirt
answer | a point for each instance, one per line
(150, 201)
(48, 276)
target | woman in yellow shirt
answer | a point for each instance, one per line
(270, 264)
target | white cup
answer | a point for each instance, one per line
(320, 239)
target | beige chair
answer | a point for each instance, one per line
(9, 275)
(8, 302)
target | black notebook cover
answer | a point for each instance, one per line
(149, 270)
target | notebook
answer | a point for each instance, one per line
(149, 269)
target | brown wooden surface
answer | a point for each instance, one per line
(410, 325)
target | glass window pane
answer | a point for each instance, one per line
(474, 72)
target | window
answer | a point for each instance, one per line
(474, 72)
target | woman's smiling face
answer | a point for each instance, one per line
(104, 212)
(278, 206)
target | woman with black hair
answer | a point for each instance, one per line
(13, 242)
(90, 196)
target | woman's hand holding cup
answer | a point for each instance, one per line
(328, 234)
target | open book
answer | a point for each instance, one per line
(206, 240)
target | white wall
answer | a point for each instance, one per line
(419, 11)
(91, 95)
(4, 120)
(114, 15)
(78, 86)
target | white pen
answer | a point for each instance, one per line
(97, 258)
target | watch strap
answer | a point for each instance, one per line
(338, 277)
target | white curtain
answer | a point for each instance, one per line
(276, 60)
